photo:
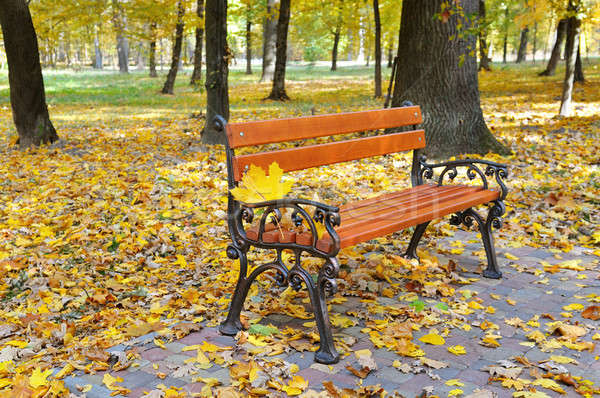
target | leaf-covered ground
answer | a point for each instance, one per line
(119, 229)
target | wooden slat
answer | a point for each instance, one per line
(282, 130)
(334, 152)
(380, 228)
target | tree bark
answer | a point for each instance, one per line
(170, 82)
(522, 54)
(278, 91)
(27, 93)
(561, 31)
(122, 42)
(579, 77)
(390, 61)
(140, 57)
(248, 44)
(505, 38)
(334, 50)
(573, 30)
(97, 64)
(484, 60)
(196, 78)
(535, 25)
(430, 74)
(217, 71)
(377, 19)
(152, 53)
(269, 41)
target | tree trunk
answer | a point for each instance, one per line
(377, 19)
(573, 30)
(196, 78)
(152, 54)
(484, 60)
(522, 54)
(278, 92)
(390, 56)
(534, 41)
(176, 56)
(430, 74)
(579, 77)
(217, 71)
(122, 42)
(334, 50)
(561, 30)
(505, 38)
(97, 64)
(269, 42)
(27, 93)
(140, 57)
(248, 44)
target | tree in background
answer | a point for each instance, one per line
(269, 40)
(561, 32)
(119, 23)
(217, 69)
(522, 54)
(278, 91)
(176, 54)
(484, 59)
(437, 72)
(196, 78)
(573, 31)
(377, 20)
(27, 93)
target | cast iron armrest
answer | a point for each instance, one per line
(324, 214)
(492, 169)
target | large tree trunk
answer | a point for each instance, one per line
(334, 50)
(27, 94)
(430, 74)
(377, 19)
(196, 78)
(561, 30)
(152, 54)
(248, 44)
(278, 92)
(579, 77)
(269, 41)
(217, 71)
(573, 30)
(522, 54)
(176, 56)
(484, 60)
(119, 23)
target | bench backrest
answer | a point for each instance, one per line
(304, 157)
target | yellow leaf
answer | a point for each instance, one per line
(511, 301)
(550, 384)
(203, 361)
(574, 307)
(17, 343)
(296, 386)
(456, 392)
(510, 256)
(5, 382)
(38, 378)
(257, 341)
(160, 344)
(256, 186)
(562, 359)
(455, 382)
(457, 350)
(66, 370)
(109, 381)
(432, 338)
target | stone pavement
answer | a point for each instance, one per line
(530, 291)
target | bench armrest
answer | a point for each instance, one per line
(303, 211)
(488, 169)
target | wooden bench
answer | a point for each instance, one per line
(354, 222)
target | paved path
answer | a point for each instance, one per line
(534, 292)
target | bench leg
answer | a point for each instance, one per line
(326, 284)
(493, 220)
(232, 324)
(411, 251)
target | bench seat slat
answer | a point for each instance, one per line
(334, 152)
(280, 130)
(399, 219)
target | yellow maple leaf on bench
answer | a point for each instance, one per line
(257, 186)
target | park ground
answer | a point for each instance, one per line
(112, 252)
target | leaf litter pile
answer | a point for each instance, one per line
(119, 231)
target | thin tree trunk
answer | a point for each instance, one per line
(248, 44)
(484, 60)
(377, 19)
(430, 74)
(390, 56)
(196, 78)
(140, 57)
(579, 77)
(334, 50)
(573, 30)
(505, 38)
(217, 57)
(97, 53)
(122, 42)
(152, 52)
(534, 41)
(561, 31)
(522, 54)
(176, 56)
(278, 92)
(27, 93)
(269, 41)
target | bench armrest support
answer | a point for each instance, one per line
(475, 167)
(273, 211)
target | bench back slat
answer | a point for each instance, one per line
(334, 152)
(281, 130)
